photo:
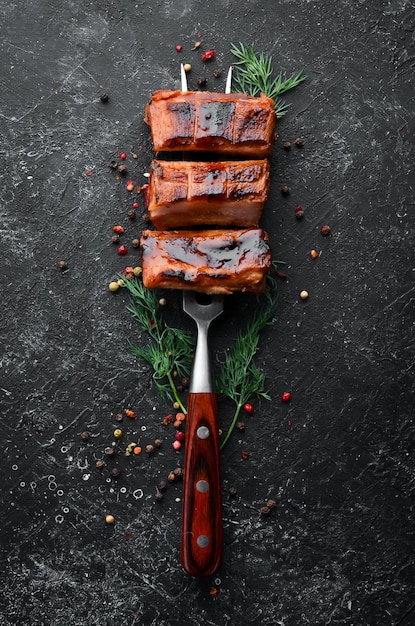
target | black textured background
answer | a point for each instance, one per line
(339, 458)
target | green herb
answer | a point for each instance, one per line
(254, 76)
(239, 378)
(169, 349)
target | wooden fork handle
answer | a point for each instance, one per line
(201, 546)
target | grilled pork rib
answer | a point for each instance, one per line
(208, 261)
(211, 122)
(188, 194)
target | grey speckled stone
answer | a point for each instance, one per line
(338, 459)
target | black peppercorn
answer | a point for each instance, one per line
(299, 214)
(104, 98)
(158, 496)
(99, 464)
(110, 451)
(202, 82)
(113, 165)
(285, 190)
(232, 491)
(299, 142)
(115, 239)
(85, 435)
(265, 510)
(240, 425)
(178, 472)
(131, 215)
(123, 169)
(115, 472)
(286, 145)
(119, 417)
(162, 485)
(217, 73)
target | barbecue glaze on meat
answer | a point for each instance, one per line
(208, 261)
(188, 194)
(211, 122)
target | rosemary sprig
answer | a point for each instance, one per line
(254, 76)
(169, 349)
(239, 377)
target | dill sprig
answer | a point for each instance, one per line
(169, 349)
(239, 377)
(254, 76)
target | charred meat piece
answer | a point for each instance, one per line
(211, 122)
(188, 194)
(208, 261)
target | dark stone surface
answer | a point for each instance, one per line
(339, 458)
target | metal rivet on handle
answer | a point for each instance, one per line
(202, 541)
(202, 486)
(203, 432)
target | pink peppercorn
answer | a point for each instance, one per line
(177, 445)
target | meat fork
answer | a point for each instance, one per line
(201, 545)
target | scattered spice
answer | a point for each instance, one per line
(179, 435)
(104, 98)
(119, 417)
(113, 286)
(248, 408)
(131, 215)
(304, 294)
(168, 419)
(244, 455)
(109, 519)
(299, 142)
(122, 249)
(232, 491)
(157, 443)
(137, 450)
(271, 504)
(187, 67)
(99, 464)
(162, 485)
(240, 425)
(178, 472)
(286, 145)
(217, 73)
(299, 213)
(314, 254)
(117, 433)
(85, 435)
(281, 275)
(63, 266)
(158, 496)
(325, 230)
(177, 444)
(213, 592)
(130, 186)
(285, 190)
(123, 156)
(286, 396)
(209, 54)
(150, 448)
(110, 451)
(115, 239)
(122, 169)
(179, 48)
(265, 510)
(129, 413)
(115, 472)
(197, 45)
(202, 82)
(135, 243)
(118, 229)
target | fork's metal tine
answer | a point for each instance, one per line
(200, 311)
(183, 78)
(228, 86)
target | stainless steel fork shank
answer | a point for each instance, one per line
(201, 379)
